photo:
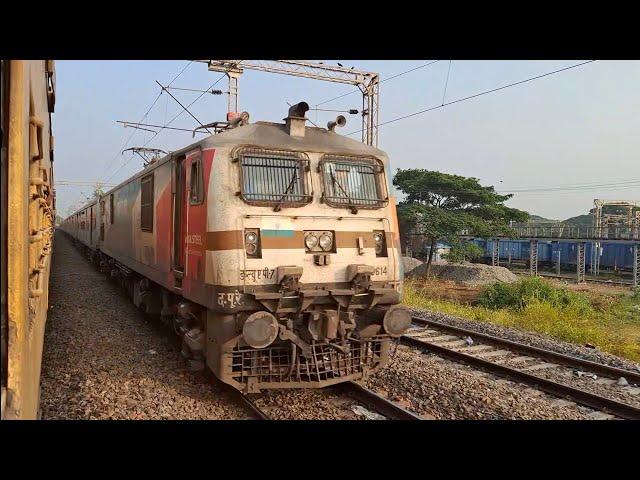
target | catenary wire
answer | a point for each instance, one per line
(493, 90)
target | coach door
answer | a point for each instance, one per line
(179, 219)
(196, 219)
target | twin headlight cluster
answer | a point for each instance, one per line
(319, 241)
(315, 241)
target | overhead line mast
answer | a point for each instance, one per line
(367, 82)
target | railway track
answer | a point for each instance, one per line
(518, 362)
(365, 396)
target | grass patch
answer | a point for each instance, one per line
(611, 322)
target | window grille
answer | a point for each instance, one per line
(353, 182)
(274, 178)
(146, 203)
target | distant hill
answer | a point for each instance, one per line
(585, 219)
(579, 220)
(539, 219)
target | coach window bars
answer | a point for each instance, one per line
(274, 178)
(353, 182)
(102, 206)
(111, 206)
(146, 203)
(197, 183)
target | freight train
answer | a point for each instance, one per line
(272, 249)
(614, 257)
(27, 98)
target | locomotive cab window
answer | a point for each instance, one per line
(274, 178)
(197, 183)
(146, 203)
(353, 182)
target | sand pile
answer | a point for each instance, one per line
(470, 274)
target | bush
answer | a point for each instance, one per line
(532, 290)
(612, 323)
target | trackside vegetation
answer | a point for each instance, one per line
(610, 322)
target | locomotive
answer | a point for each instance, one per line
(272, 249)
(27, 99)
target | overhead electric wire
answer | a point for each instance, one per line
(558, 189)
(133, 132)
(143, 118)
(446, 83)
(182, 111)
(381, 81)
(403, 117)
(610, 182)
(167, 124)
(583, 187)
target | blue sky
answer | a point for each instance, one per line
(578, 127)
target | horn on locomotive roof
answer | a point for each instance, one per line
(340, 121)
(298, 110)
(240, 120)
(295, 119)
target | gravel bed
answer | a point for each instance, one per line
(438, 388)
(629, 394)
(469, 274)
(531, 338)
(297, 404)
(104, 359)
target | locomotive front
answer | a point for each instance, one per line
(302, 250)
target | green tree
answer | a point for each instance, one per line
(463, 252)
(442, 206)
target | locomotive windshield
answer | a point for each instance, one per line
(353, 182)
(274, 178)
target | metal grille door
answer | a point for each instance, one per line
(581, 262)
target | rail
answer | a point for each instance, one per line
(493, 361)
(376, 402)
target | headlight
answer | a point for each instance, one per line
(251, 237)
(252, 243)
(319, 241)
(311, 241)
(326, 242)
(380, 243)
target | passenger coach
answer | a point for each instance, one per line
(271, 248)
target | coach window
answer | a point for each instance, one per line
(111, 212)
(146, 203)
(197, 191)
